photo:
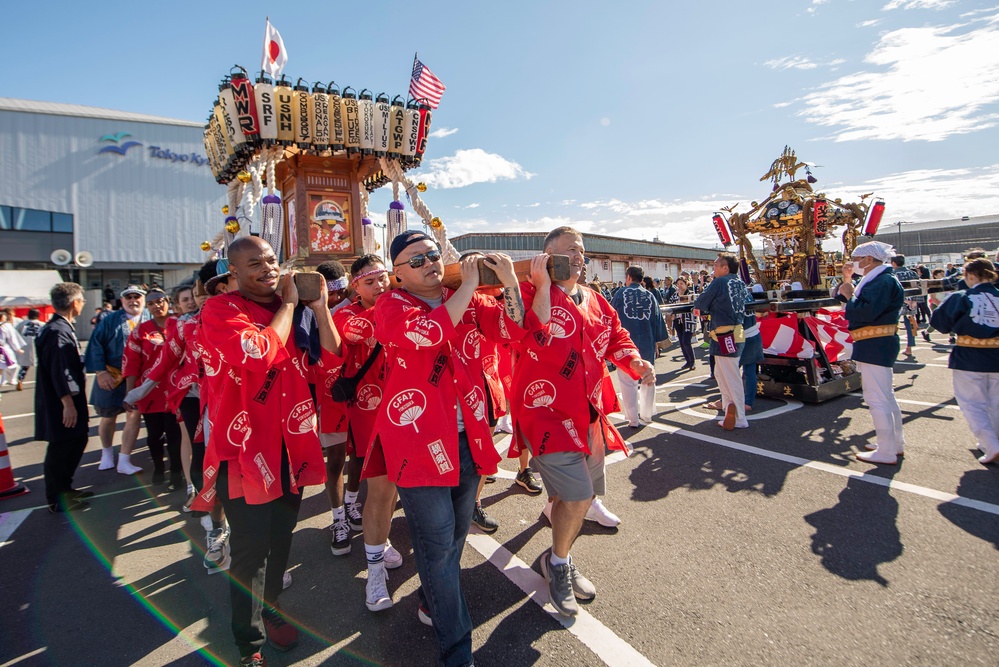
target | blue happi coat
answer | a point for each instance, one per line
(640, 315)
(106, 348)
(975, 313)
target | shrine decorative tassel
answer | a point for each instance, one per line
(395, 219)
(271, 211)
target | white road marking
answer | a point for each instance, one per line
(610, 648)
(921, 363)
(942, 496)
(22, 658)
(949, 406)
(946, 357)
(9, 521)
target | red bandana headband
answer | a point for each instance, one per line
(369, 273)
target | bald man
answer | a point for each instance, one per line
(262, 448)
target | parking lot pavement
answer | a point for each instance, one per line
(770, 545)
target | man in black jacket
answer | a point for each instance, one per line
(61, 399)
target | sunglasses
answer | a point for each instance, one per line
(416, 261)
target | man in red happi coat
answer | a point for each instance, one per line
(263, 448)
(431, 435)
(560, 400)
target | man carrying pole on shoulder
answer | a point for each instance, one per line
(263, 448)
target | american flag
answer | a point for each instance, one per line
(425, 84)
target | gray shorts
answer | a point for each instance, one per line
(574, 476)
(108, 413)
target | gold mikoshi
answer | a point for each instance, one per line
(436, 223)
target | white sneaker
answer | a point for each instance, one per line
(377, 597)
(602, 515)
(391, 558)
(878, 456)
(127, 468)
(107, 459)
(286, 581)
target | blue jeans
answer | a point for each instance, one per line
(749, 382)
(439, 518)
(910, 334)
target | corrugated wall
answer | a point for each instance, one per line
(126, 208)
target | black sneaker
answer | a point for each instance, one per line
(69, 506)
(158, 477)
(486, 523)
(527, 480)
(490, 479)
(926, 336)
(340, 538)
(354, 517)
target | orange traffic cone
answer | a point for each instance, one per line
(8, 487)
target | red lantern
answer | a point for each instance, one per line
(246, 106)
(874, 215)
(723, 229)
(820, 218)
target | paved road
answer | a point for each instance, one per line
(764, 546)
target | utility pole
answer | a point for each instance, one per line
(898, 246)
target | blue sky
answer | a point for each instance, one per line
(632, 119)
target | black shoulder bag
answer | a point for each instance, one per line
(344, 389)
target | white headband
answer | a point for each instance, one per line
(883, 252)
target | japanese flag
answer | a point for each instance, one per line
(275, 57)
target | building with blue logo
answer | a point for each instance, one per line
(106, 197)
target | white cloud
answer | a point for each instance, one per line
(473, 205)
(934, 194)
(442, 132)
(918, 4)
(467, 167)
(868, 24)
(932, 82)
(790, 62)
(605, 121)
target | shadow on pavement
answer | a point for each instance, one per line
(859, 533)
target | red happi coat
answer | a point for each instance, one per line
(177, 364)
(142, 351)
(356, 325)
(477, 350)
(259, 402)
(559, 371)
(415, 440)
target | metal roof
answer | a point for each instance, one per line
(78, 110)
(595, 245)
(965, 221)
(941, 237)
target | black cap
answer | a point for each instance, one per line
(406, 238)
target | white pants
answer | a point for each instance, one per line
(728, 373)
(639, 400)
(879, 394)
(9, 374)
(977, 395)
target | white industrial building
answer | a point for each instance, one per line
(129, 197)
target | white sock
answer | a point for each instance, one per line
(350, 497)
(124, 459)
(375, 553)
(107, 453)
(339, 514)
(555, 560)
(190, 489)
